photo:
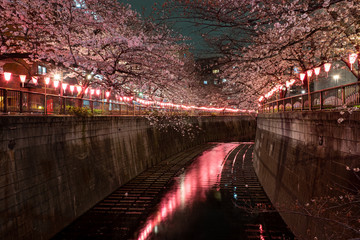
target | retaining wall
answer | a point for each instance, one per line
(53, 169)
(308, 165)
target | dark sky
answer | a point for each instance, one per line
(145, 7)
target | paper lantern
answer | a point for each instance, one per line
(7, 76)
(309, 73)
(352, 58)
(302, 76)
(64, 86)
(34, 80)
(23, 78)
(47, 80)
(327, 67)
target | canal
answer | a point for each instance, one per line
(208, 192)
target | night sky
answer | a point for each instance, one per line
(144, 7)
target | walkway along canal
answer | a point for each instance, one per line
(207, 192)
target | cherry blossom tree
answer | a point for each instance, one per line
(262, 41)
(103, 39)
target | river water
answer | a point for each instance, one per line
(207, 192)
(211, 199)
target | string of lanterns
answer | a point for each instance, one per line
(309, 73)
(92, 91)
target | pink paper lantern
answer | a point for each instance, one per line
(34, 80)
(7, 76)
(72, 88)
(309, 73)
(47, 80)
(56, 84)
(352, 58)
(98, 92)
(302, 76)
(317, 71)
(23, 78)
(64, 86)
(327, 67)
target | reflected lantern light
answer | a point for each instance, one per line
(7, 76)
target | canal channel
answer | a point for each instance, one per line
(208, 192)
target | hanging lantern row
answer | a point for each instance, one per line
(185, 107)
(277, 88)
(316, 71)
(34, 79)
(79, 89)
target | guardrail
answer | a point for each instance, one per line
(25, 102)
(329, 98)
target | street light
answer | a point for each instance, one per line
(336, 78)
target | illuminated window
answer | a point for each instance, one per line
(214, 71)
(41, 70)
(205, 82)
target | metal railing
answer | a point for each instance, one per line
(329, 98)
(25, 102)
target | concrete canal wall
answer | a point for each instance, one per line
(53, 169)
(308, 164)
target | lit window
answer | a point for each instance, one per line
(224, 80)
(214, 71)
(41, 70)
(205, 82)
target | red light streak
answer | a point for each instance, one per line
(194, 184)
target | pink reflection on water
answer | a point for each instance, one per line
(261, 232)
(193, 185)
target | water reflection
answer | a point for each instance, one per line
(193, 185)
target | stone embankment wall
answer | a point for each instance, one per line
(308, 164)
(53, 169)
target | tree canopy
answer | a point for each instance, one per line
(103, 38)
(261, 42)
